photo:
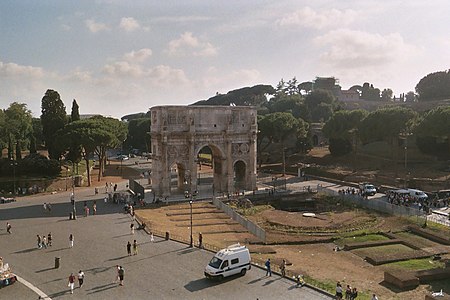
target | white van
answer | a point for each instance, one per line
(234, 259)
(418, 194)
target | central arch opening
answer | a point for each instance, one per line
(205, 169)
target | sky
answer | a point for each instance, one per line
(121, 57)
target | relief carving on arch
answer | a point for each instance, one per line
(239, 149)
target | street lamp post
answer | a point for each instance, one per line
(14, 164)
(191, 244)
(72, 195)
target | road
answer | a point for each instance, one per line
(161, 270)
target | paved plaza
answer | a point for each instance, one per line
(161, 270)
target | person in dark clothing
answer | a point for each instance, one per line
(129, 248)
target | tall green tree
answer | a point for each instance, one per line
(3, 131)
(18, 126)
(434, 128)
(94, 136)
(138, 134)
(341, 130)
(434, 86)
(74, 153)
(278, 128)
(320, 104)
(53, 118)
(387, 124)
(75, 113)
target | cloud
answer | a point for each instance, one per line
(307, 17)
(129, 24)
(15, 70)
(123, 69)
(95, 27)
(188, 44)
(181, 19)
(357, 49)
(138, 56)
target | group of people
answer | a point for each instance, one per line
(71, 281)
(47, 207)
(406, 199)
(87, 210)
(134, 246)
(44, 241)
(269, 268)
(350, 293)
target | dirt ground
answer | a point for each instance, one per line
(308, 257)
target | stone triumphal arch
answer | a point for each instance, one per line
(178, 134)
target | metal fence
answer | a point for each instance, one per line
(253, 228)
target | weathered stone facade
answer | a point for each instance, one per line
(179, 132)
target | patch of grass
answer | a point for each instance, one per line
(415, 239)
(437, 227)
(417, 264)
(253, 210)
(361, 239)
(330, 287)
(381, 250)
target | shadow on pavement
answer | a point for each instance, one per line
(45, 270)
(256, 280)
(59, 294)
(102, 288)
(204, 283)
(26, 251)
(117, 258)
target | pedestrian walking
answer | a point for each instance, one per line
(135, 246)
(8, 227)
(44, 241)
(121, 275)
(283, 268)
(71, 282)
(49, 207)
(71, 238)
(45, 206)
(200, 240)
(354, 294)
(374, 297)
(94, 208)
(132, 228)
(49, 239)
(117, 274)
(129, 248)
(152, 239)
(80, 278)
(95, 191)
(39, 241)
(268, 270)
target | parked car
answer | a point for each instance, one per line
(367, 189)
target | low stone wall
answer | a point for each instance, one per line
(411, 279)
(394, 257)
(433, 274)
(401, 279)
(429, 235)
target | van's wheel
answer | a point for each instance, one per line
(243, 271)
(220, 277)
